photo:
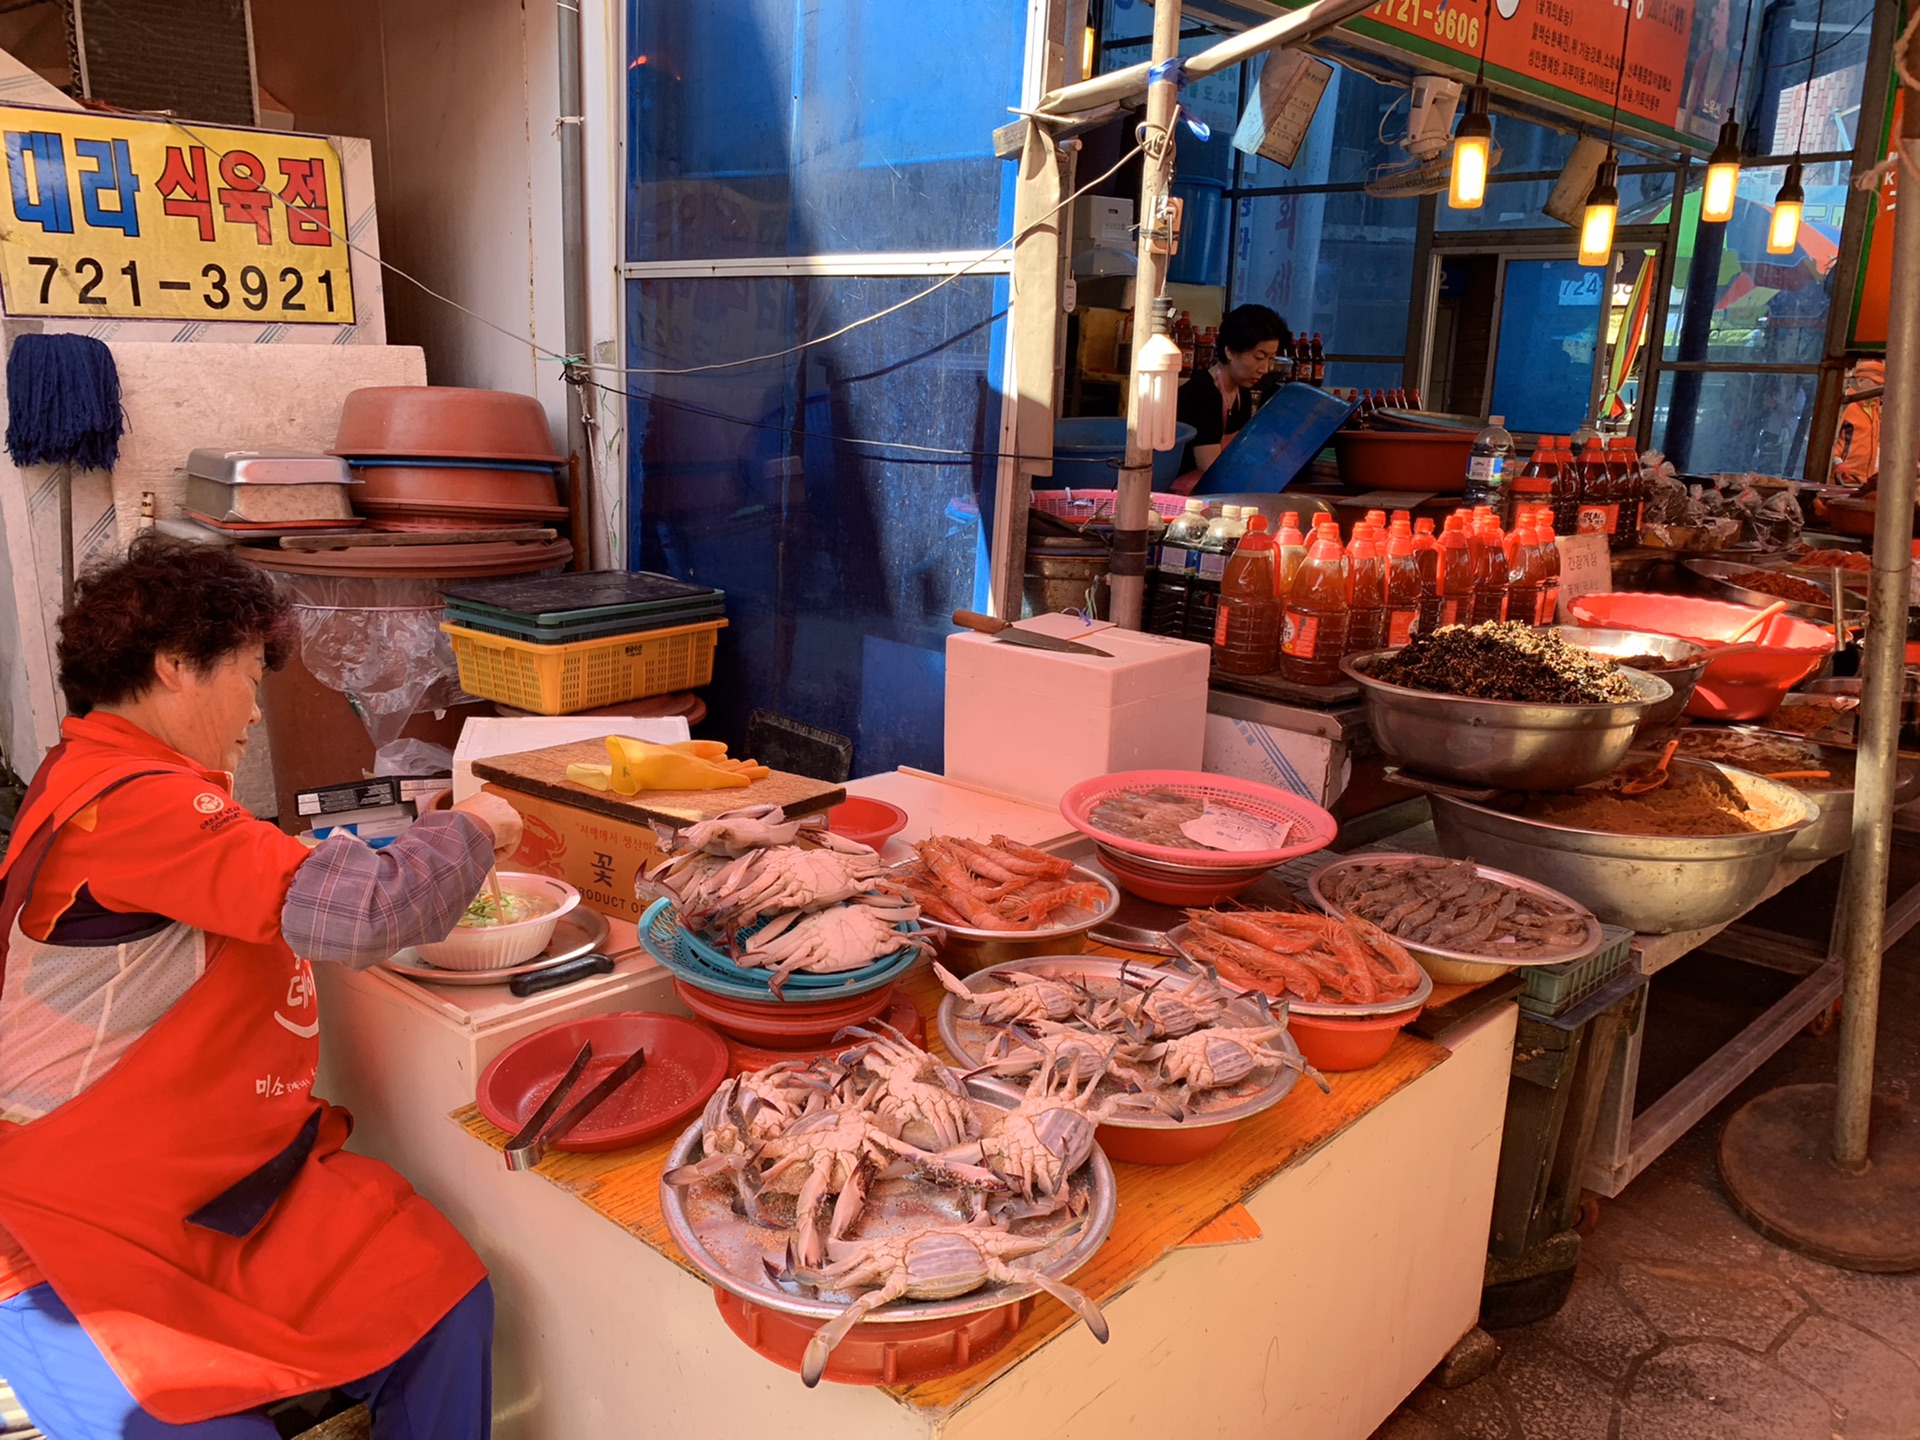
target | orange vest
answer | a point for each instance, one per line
(194, 1207)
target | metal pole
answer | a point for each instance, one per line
(1863, 896)
(573, 260)
(1127, 570)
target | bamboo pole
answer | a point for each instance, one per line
(1863, 896)
(1127, 570)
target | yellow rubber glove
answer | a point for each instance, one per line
(638, 765)
(594, 777)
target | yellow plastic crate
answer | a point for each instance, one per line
(562, 679)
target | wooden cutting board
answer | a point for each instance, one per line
(543, 773)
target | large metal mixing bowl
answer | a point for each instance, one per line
(1690, 662)
(1655, 884)
(1831, 832)
(1510, 745)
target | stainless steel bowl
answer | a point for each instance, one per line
(1831, 832)
(1681, 678)
(1720, 585)
(1510, 745)
(1655, 884)
(965, 1039)
(966, 949)
(732, 1252)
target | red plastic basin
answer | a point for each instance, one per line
(782, 1024)
(867, 822)
(1141, 1145)
(1747, 684)
(877, 1353)
(1332, 1044)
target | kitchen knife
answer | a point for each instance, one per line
(1007, 634)
(523, 1151)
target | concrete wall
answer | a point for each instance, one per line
(460, 98)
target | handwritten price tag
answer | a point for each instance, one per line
(1585, 569)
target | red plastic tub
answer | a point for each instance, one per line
(1144, 1145)
(877, 1353)
(1747, 683)
(1333, 1044)
(1416, 460)
(782, 1024)
(865, 821)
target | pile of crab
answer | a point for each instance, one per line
(1167, 1041)
(780, 896)
(875, 1175)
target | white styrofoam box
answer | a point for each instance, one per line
(1032, 723)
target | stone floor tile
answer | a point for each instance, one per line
(1596, 1326)
(1473, 1412)
(1711, 1391)
(1553, 1398)
(1405, 1424)
(1884, 1305)
(1878, 1388)
(1720, 1302)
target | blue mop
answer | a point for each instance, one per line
(63, 408)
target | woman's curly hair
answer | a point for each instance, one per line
(196, 602)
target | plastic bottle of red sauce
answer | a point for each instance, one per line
(1563, 485)
(1624, 460)
(1523, 567)
(1317, 610)
(1597, 508)
(1290, 548)
(1377, 518)
(1490, 573)
(1549, 563)
(1403, 582)
(1367, 564)
(1426, 556)
(1456, 573)
(1246, 632)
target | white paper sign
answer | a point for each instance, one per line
(1585, 569)
(1281, 107)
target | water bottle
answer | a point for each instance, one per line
(1487, 466)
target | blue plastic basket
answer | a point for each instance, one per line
(696, 960)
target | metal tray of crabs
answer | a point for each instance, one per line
(1176, 1059)
(877, 1188)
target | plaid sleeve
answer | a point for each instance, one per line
(352, 903)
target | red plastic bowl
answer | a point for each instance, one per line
(1748, 684)
(869, 822)
(1165, 889)
(1154, 1146)
(436, 421)
(1430, 460)
(782, 1024)
(743, 1058)
(874, 1352)
(454, 483)
(685, 1064)
(1330, 1044)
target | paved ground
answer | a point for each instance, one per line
(1684, 1324)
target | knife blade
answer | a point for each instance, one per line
(591, 1101)
(1007, 634)
(522, 1151)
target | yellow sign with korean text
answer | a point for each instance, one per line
(117, 217)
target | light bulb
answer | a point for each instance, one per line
(1156, 390)
(1086, 52)
(1783, 234)
(1723, 176)
(1603, 209)
(1472, 154)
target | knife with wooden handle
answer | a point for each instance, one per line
(1008, 634)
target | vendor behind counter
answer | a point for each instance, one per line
(1218, 400)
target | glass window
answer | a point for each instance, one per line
(1340, 264)
(1549, 324)
(1732, 300)
(842, 561)
(1365, 375)
(1343, 143)
(1789, 115)
(1516, 205)
(758, 127)
(1711, 423)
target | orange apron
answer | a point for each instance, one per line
(194, 1207)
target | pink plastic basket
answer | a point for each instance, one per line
(1312, 827)
(1095, 507)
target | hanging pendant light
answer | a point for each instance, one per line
(1472, 154)
(1789, 206)
(1723, 166)
(1603, 200)
(1473, 138)
(1603, 210)
(1723, 176)
(1790, 202)
(1156, 389)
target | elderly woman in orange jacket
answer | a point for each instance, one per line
(183, 1238)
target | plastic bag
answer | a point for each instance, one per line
(413, 757)
(379, 643)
